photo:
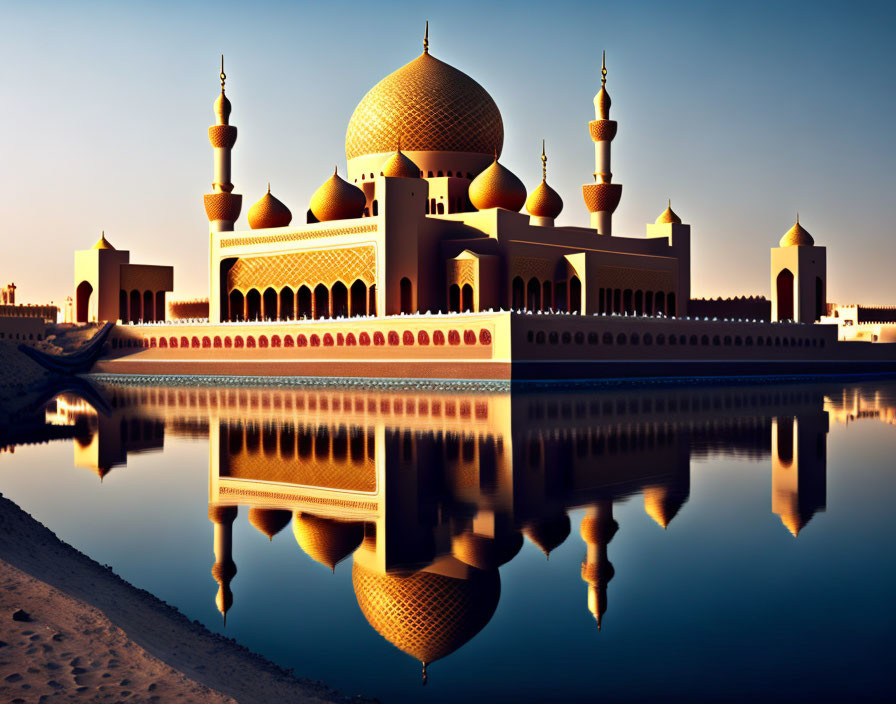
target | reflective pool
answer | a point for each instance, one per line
(672, 543)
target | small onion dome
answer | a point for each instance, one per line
(662, 503)
(269, 521)
(548, 533)
(797, 236)
(222, 109)
(497, 187)
(399, 165)
(103, 243)
(326, 540)
(269, 212)
(483, 552)
(544, 202)
(668, 216)
(337, 199)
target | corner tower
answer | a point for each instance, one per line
(798, 277)
(222, 205)
(602, 196)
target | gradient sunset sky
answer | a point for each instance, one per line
(741, 113)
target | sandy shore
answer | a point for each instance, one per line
(71, 629)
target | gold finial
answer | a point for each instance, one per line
(426, 39)
(425, 676)
(335, 169)
(269, 187)
(496, 155)
(603, 69)
(797, 217)
(544, 163)
(669, 204)
(223, 75)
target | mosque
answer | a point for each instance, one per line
(420, 253)
(428, 219)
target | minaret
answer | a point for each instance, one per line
(222, 205)
(224, 569)
(597, 530)
(602, 196)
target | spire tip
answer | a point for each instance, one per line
(426, 39)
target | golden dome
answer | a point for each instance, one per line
(269, 521)
(269, 212)
(326, 540)
(483, 552)
(497, 187)
(431, 107)
(427, 615)
(400, 166)
(548, 533)
(337, 199)
(796, 236)
(544, 202)
(103, 243)
(668, 216)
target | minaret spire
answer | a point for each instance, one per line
(544, 163)
(222, 205)
(602, 196)
(603, 68)
(426, 39)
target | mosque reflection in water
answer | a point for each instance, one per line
(430, 493)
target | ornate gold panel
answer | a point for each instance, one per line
(314, 267)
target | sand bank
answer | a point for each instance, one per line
(72, 629)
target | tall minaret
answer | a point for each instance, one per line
(603, 195)
(222, 205)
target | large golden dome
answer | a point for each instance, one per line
(430, 107)
(427, 615)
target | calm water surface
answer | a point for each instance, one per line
(667, 544)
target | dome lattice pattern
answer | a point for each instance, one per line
(427, 106)
(427, 615)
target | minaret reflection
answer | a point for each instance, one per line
(597, 530)
(224, 569)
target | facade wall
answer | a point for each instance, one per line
(807, 264)
(574, 268)
(101, 269)
(19, 329)
(46, 313)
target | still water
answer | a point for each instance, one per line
(714, 543)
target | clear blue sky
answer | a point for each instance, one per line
(742, 113)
